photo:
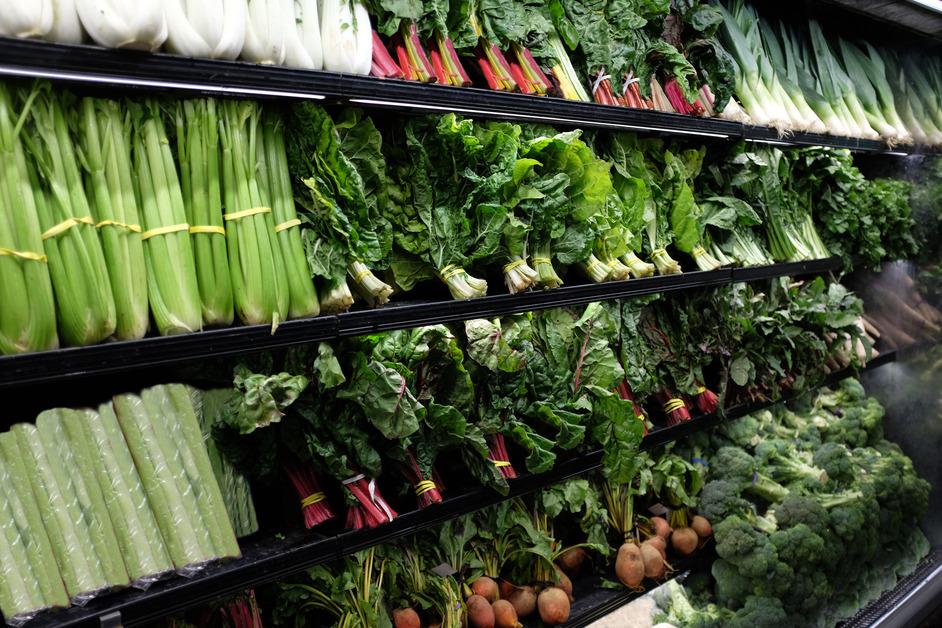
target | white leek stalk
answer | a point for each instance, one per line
(346, 36)
(212, 29)
(26, 18)
(120, 24)
(66, 26)
(303, 35)
(265, 31)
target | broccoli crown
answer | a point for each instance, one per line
(743, 432)
(738, 466)
(785, 463)
(857, 425)
(732, 589)
(836, 461)
(740, 544)
(798, 546)
(796, 509)
(760, 612)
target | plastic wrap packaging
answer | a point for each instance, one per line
(185, 500)
(65, 524)
(91, 502)
(103, 459)
(29, 576)
(184, 403)
(236, 494)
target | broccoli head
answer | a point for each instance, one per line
(737, 466)
(740, 544)
(798, 546)
(743, 432)
(720, 498)
(786, 464)
(760, 612)
(858, 425)
(732, 588)
(836, 461)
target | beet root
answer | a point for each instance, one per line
(554, 606)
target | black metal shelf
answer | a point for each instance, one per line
(131, 71)
(266, 560)
(914, 597)
(122, 357)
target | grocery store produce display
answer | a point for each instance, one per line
(260, 367)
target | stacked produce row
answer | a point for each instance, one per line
(693, 58)
(812, 511)
(98, 501)
(270, 215)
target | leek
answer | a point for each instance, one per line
(198, 149)
(275, 182)
(259, 282)
(265, 32)
(106, 154)
(28, 314)
(32, 18)
(136, 25)
(84, 300)
(171, 274)
(213, 29)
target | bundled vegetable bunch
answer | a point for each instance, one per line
(814, 512)
(795, 77)
(96, 501)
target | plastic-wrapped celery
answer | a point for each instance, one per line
(71, 539)
(28, 315)
(235, 488)
(170, 495)
(104, 459)
(42, 560)
(91, 503)
(174, 403)
(20, 596)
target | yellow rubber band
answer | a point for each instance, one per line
(658, 252)
(295, 222)
(450, 271)
(542, 260)
(24, 255)
(514, 264)
(65, 225)
(701, 390)
(245, 213)
(595, 262)
(312, 499)
(150, 233)
(674, 404)
(698, 251)
(360, 275)
(119, 225)
(501, 463)
(640, 418)
(208, 229)
(424, 487)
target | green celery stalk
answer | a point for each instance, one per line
(71, 540)
(171, 272)
(85, 303)
(187, 539)
(42, 560)
(259, 282)
(175, 403)
(28, 315)
(20, 594)
(235, 488)
(71, 468)
(275, 185)
(104, 130)
(198, 153)
(138, 534)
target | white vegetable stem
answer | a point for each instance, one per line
(25, 18)
(137, 25)
(346, 36)
(66, 26)
(213, 29)
(265, 32)
(303, 35)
